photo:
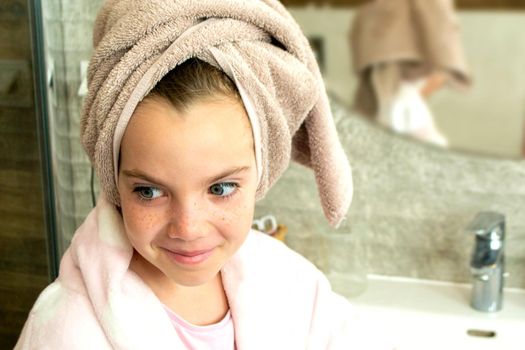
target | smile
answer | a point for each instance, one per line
(190, 257)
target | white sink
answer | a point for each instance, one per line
(429, 315)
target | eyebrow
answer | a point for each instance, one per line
(140, 175)
(228, 172)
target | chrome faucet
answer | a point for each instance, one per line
(488, 261)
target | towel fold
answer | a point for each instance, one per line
(262, 49)
(403, 40)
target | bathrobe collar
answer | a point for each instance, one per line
(131, 315)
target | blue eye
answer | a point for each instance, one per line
(148, 192)
(223, 189)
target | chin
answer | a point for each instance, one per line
(193, 279)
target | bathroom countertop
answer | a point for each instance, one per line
(419, 314)
(433, 297)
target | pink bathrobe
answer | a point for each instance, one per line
(278, 300)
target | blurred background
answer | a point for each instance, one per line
(413, 195)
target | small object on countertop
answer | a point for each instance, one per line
(268, 224)
(280, 233)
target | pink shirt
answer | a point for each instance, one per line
(218, 336)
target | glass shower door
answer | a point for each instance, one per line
(26, 266)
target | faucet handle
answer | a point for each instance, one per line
(488, 225)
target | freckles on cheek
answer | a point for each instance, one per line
(235, 214)
(138, 220)
(224, 216)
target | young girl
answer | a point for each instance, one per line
(194, 111)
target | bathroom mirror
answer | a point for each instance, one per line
(486, 117)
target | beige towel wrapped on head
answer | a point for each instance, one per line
(261, 48)
(397, 40)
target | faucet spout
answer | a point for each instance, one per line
(487, 264)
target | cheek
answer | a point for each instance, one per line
(140, 222)
(237, 215)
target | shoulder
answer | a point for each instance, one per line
(272, 254)
(271, 265)
(61, 318)
(279, 265)
(267, 278)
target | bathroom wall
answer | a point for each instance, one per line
(411, 202)
(411, 206)
(23, 258)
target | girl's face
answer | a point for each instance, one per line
(187, 183)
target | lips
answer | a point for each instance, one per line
(193, 257)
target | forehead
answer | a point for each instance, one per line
(215, 116)
(204, 136)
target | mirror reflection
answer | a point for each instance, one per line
(429, 70)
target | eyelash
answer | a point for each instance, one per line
(229, 184)
(138, 189)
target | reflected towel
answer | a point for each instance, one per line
(398, 40)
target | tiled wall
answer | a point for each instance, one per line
(68, 26)
(411, 202)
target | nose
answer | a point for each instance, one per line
(187, 221)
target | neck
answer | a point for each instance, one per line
(200, 305)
